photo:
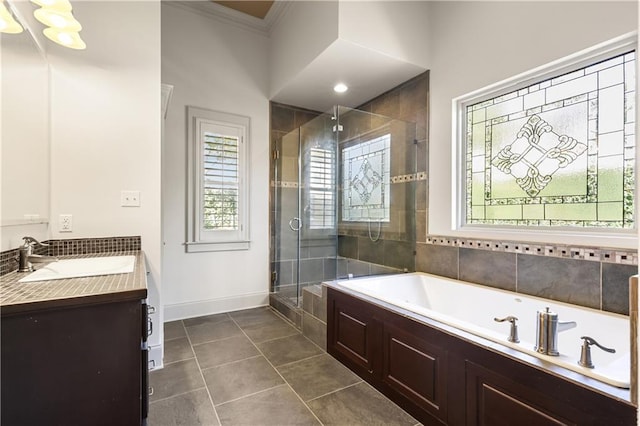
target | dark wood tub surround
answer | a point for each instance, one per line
(72, 349)
(443, 376)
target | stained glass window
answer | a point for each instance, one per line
(559, 152)
(366, 180)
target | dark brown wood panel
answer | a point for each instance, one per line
(496, 408)
(416, 369)
(494, 400)
(73, 366)
(352, 333)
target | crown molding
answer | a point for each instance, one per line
(224, 14)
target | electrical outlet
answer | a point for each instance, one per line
(130, 198)
(65, 223)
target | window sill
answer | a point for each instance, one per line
(204, 246)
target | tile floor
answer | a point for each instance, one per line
(253, 368)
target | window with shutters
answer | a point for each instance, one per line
(218, 204)
(321, 189)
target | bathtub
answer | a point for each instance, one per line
(472, 308)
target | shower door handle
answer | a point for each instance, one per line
(298, 222)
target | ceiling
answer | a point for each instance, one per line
(257, 9)
(367, 73)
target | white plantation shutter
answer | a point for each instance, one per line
(221, 182)
(321, 195)
(218, 170)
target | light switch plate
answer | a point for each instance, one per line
(130, 198)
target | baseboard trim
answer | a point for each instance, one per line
(180, 311)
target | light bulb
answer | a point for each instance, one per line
(65, 38)
(56, 19)
(340, 88)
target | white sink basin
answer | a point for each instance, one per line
(85, 267)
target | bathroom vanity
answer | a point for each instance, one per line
(73, 350)
(442, 375)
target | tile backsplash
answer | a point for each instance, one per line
(94, 245)
(592, 277)
(9, 258)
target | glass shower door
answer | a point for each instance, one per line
(317, 236)
(286, 219)
(305, 236)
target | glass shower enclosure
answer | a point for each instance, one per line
(343, 201)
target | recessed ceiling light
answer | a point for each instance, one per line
(340, 88)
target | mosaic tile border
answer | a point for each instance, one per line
(94, 245)
(394, 179)
(9, 258)
(606, 255)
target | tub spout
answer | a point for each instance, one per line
(563, 326)
(547, 329)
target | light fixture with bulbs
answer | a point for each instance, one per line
(340, 88)
(63, 27)
(8, 24)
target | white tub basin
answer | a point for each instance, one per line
(472, 308)
(84, 267)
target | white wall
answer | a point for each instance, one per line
(474, 44)
(302, 33)
(24, 121)
(395, 28)
(105, 125)
(221, 67)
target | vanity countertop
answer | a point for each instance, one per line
(17, 298)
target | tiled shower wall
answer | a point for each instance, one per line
(395, 248)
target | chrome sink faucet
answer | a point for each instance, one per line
(547, 329)
(27, 258)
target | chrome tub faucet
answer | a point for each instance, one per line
(547, 329)
(27, 258)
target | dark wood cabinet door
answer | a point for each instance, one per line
(416, 369)
(352, 333)
(494, 400)
(72, 366)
